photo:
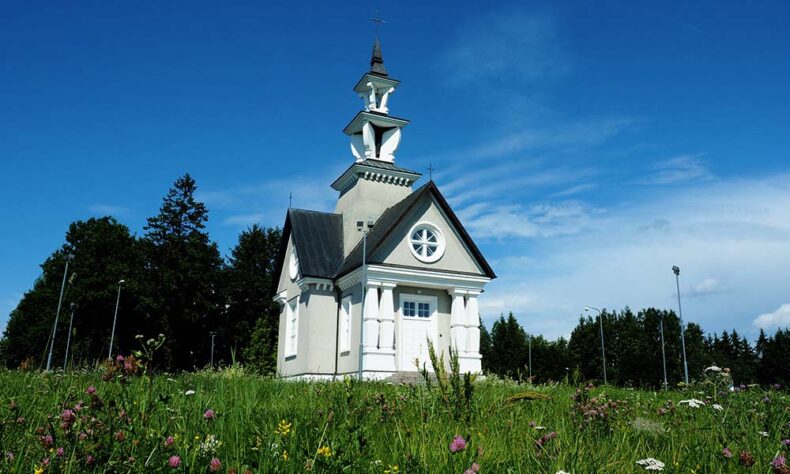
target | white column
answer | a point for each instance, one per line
(458, 321)
(387, 317)
(371, 318)
(472, 324)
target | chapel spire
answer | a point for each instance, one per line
(377, 60)
(375, 134)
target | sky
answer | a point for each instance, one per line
(587, 147)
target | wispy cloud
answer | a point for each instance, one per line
(109, 209)
(517, 221)
(244, 220)
(725, 230)
(579, 188)
(775, 319)
(511, 47)
(680, 169)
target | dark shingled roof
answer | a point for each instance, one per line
(386, 165)
(318, 237)
(394, 215)
(377, 60)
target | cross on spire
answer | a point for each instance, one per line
(378, 21)
(431, 169)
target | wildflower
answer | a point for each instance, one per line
(718, 407)
(210, 445)
(285, 455)
(746, 459)
(391, 469)
(458, 444)
(119, 359)
(473, 469)
(47, 441)
(324, 451)
(39, 470)
(651, 464)
(713, 368)
(209, 414)
(726, 453)
(174, 461)
(60, 452)
(214, 465)
(562, 472)
(692, 402)
(120, 436)
(764, 434)
(283, 428)
(68, 416)
(169, 441)
(189, 392)
(90, 390)
(89, 459)
(82, 436)
(786, 443)
(779, 462)
(9, 456)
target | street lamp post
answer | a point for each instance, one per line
(676, 271)
(663, 353)
(530, 358)
(57, 313)
(68, 339)
(603, 351)
(115, 318)
(213, 333)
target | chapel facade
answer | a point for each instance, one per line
(363, 289)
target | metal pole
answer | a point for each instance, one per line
(114, 319)
(676, 270)
(663, 353)
(530, 358)
(57, 313)
(212, 348)
(603, 351)
(68, 339)
(364, 284)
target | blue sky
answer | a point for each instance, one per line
(587, 147)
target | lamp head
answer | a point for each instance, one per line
(121, 282)
(676, 269)
(587, 308)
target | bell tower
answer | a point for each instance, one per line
(374, 182)
(375, 134)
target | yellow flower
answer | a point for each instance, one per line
(39, 470)
(285, 455)
(324, 451)
(283, 428)
(392, 469)
(197, 437)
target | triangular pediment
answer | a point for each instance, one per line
(390, 241)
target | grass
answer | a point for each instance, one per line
(374, 427)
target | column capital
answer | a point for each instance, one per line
(457, 291)
(281, 297)
(388, 285)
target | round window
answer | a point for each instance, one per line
(426, 242)
(293, 265)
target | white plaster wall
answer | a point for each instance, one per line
(348, 362)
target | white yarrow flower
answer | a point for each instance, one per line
(189, 392)
(562, 472)
(764, 434)
(651, 464)
(713, 368)
(692, 402)
(540, 427)
(716, 406)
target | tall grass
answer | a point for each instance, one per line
(265, 425)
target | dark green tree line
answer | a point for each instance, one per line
(175, 283)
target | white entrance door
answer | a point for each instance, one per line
(418, 323)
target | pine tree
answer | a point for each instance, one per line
(249, 279)
(183, 270)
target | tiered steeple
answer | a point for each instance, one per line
(374, 133)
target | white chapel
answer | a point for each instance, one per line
(362, 289)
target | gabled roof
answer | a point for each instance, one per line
(394, 215)
(318, 237)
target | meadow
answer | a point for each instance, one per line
(118, 418)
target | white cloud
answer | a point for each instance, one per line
(735, 229)
(777, 319)
(509, 47)
(485, 220)
(244, 220)
(680, 169)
